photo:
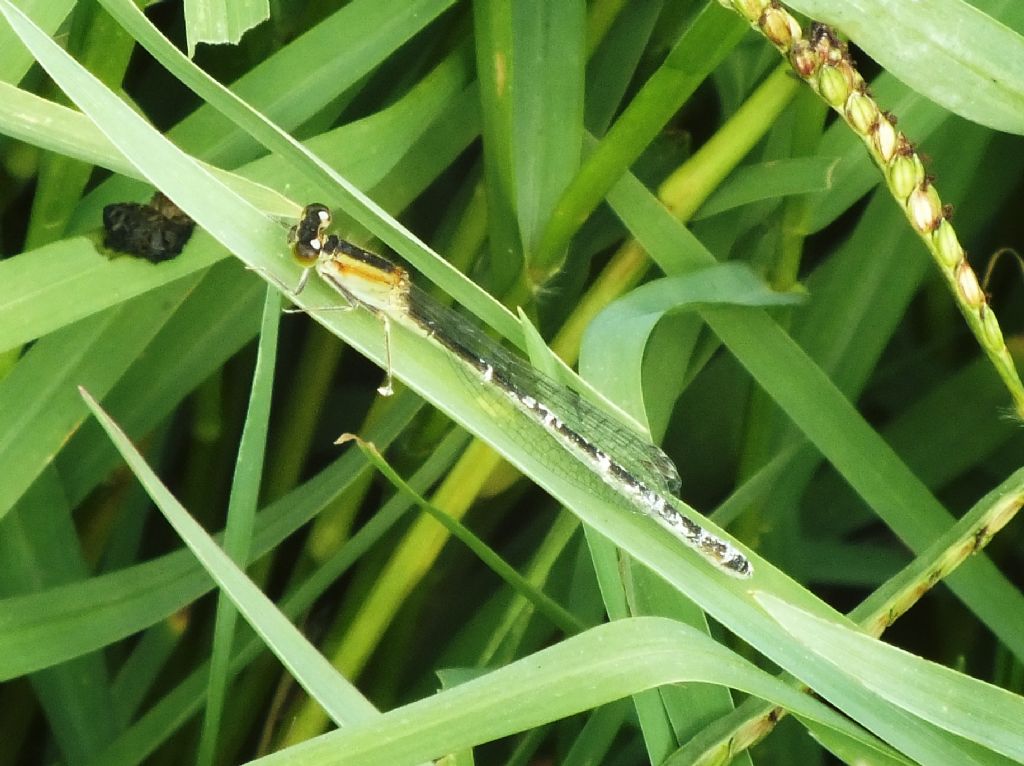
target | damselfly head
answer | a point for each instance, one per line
(306, 237)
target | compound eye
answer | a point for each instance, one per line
(316, 215)
(304, 251)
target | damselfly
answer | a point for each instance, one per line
(633, 467)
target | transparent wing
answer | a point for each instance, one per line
(628, 448)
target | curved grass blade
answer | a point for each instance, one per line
(972, 709)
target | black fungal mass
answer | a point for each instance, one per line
(156, 231)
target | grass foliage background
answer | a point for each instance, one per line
(666, 205)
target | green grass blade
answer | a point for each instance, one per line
(39, 549)
(495, 62)
(216, 320)
(617, 340)
(825, 416)
(103, 47)
(40, 630)
(830, 421)
(68, 132)
(48, 289)
(601, 665)
(544, 604)
(38, 411)
(221, 21)
(696, 53)
(546, 88)
(241, 517)
(957, 703)
(769, 181)
(177, 706)
(343, 702)
(229, 218)
(14, 59)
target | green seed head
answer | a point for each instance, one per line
(906, 173)
(832, 86)
(861, 112)
(826, 41)
(947, 246)
(967, 283)
(885, 138)
(925, 209)
(804, 58)
(990, 328)
(751, 10)
(779, 27)
(853, 78)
